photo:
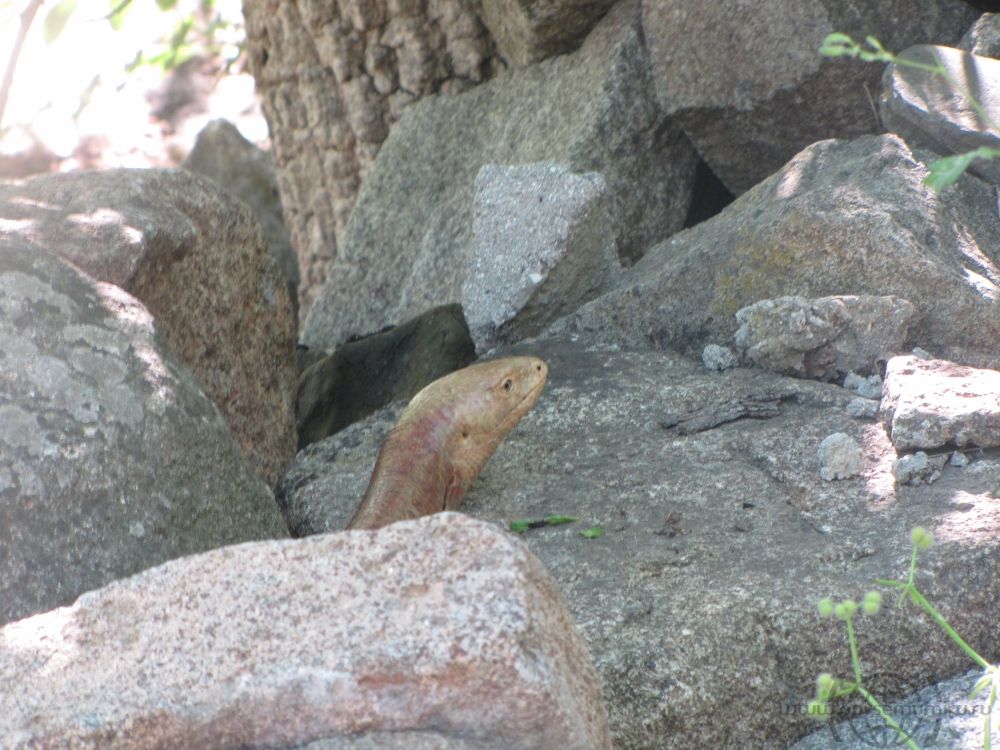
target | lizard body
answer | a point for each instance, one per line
(445, 436)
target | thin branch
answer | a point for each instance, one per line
(27, 16)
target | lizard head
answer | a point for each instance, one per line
(480, 405)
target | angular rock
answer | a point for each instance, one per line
(408, 241)
(918, 468)
(941, 715)
(446, 625)
(333, 77)
(716, 545)
(842, 218)
(866, 387)
(933, 403)
(747, 84)
(223, 155)
(111, 457)
(927, 111)
(718, 358)
(983, 38)
(196, 258)
(840, 457)
(822, 338)
(542, 246)
(527, 31)
(364, 375)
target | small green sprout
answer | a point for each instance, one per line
(829, 687)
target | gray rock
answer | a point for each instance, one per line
(333, 78)
(932, 403)
(867, 387)
(408, 241)
(983, 38)
(958, 459)
(527, 31)
(718, 358)
(716, 543)
(542, 246)
(196, 258)
(840, 457)
(841, 218)
(942, 716)
(111, 457)
(275, 644)
(224, 156)
(927, 111)
(364, 375)
(747, 84)
(918, 468)
(863, 408)
(822, 338)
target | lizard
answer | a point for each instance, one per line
(445, 436)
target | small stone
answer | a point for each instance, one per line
(958, 459)
(918, 468)
(863, 408)
(839, 457)
(718, 358)
(870, 387)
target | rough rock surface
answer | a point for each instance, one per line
(111, 457)
(825, 337)
(444, 624)
(983, 38)
(840, 218)
(746, 82)
(699, 599)
(364, 375)
(542, 246)
(409, 237)
(941, 716)
(196, 258)
(927, 111)
(223, 155)
(527, 31)
(933, 403)
(333, 76)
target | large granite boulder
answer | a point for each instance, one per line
(749, 87)
(223, 155)
(841, 218)
(196, 258)
(111, 458)
(527, 31)
(409, 237)
(444, 626)
(698, 603)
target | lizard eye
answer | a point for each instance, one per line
(508, 384)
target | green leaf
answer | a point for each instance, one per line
(839, 45)
(116, 16)
(166, 4)
(56, 20)
(947, 170)
(593, 532)
(556, 520)
(519, 527)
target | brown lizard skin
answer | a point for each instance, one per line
(445, 436)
